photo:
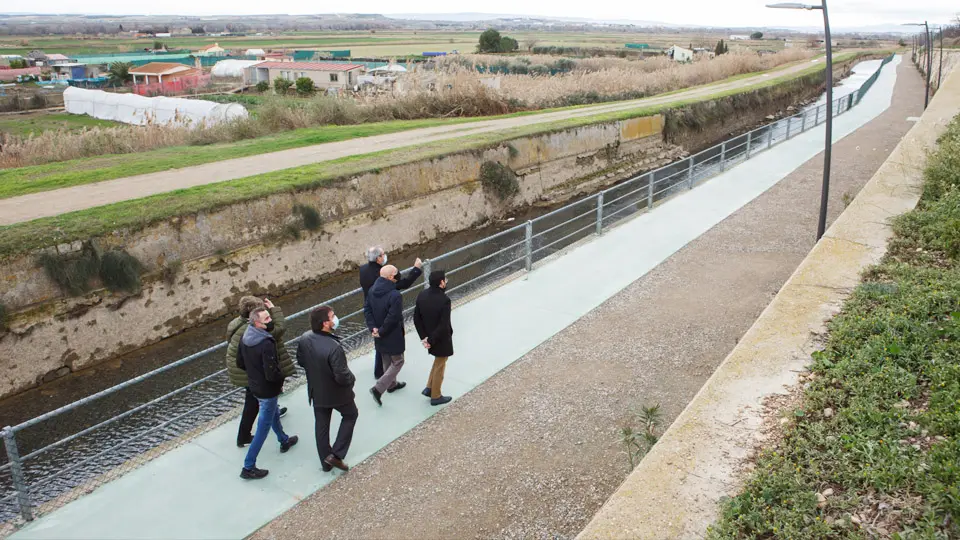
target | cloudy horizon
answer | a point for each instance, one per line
(735, 13)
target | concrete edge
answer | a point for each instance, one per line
(675, 491)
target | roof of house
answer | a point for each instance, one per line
(159, 68)
(57, 56)
(11, 74)
(208, 47)
(308, 66)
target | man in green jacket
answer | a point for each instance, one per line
(237, 376)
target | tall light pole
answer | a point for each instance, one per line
(828, 145)
(929, 62)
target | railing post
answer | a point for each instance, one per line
(690, 172)
(723, 156)
(599, 213)
(528, 245)
(649, 191)
(16, 473)
(749, 140)
(426, 274)
(803, 122)
(789, 121)
(770, 136)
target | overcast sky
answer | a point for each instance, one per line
(697, 12)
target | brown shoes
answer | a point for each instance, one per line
(334, 461)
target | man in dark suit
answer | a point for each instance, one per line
(370, 272)
(431, 316)
(383, 312)
(329, 386)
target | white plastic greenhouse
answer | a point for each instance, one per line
(231, 68)
(139, 110)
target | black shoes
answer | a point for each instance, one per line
(426, 392)
(325, 466)
(441, 400)
(283, 412)
(334, 461)
(396, 386)
(291, 442)
(376, 396)
(253, 474)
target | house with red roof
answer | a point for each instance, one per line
(324, 74)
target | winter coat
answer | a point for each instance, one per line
(383, 309)
(370, 273)
(431, 316)
(235, 331)
(257, 356)
(329, 379)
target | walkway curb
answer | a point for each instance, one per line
(676, 489)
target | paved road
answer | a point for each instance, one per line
(533, 451)
(52, 203)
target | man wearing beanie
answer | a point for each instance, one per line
(431, 316)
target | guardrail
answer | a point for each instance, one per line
(50, 476)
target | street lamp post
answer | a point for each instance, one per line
(929, 59)
(828, 144)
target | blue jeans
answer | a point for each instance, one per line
(269, 417)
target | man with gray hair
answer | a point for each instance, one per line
(370, 272)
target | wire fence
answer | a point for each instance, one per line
(34, 481)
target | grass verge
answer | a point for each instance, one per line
(39, 178)
(873, 449)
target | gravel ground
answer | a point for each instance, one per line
(534, 451)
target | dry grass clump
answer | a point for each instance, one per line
(456, 88)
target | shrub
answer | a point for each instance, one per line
(120, 271)
(72, 272)
(309, 215)
(281, 85)
(305, 86)
(263, 86)
(499, 180)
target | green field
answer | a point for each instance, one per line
(26, 124)
(363, 44)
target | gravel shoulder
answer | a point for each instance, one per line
(534, 452)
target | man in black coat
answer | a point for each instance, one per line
(431, 316)
(329, 386)
(257, 355)
(370, 272)
(383, 311)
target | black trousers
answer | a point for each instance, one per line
(377, 365)
(249, 415)
(348, 421)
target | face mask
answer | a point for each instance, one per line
(336, 322)
(270, 326)
(384, 260)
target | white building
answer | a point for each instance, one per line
(739, 37)
(680, 54)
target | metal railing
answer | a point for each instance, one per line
(36, 482)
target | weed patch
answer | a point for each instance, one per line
(499, 180)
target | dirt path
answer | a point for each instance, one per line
(535, 451)
(52, 203)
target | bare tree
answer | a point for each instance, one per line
(530, 43)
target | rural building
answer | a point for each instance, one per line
(56, 59)
(71, 71)
(11, 75)
(680, 54)
(254, 52)
(739, 37)
(324, 75)
(212, 50)
(158, 72)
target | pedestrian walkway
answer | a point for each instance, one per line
(195, 492)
